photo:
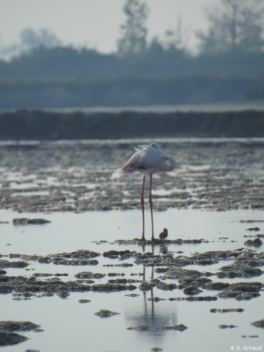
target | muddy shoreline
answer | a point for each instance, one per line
(79, 176)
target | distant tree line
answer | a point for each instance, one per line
(233, 45)
(21, 94)
(229, 65)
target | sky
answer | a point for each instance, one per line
(95, 23)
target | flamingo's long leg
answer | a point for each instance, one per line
(142, 204)
(150, 203)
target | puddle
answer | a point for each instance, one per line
(69, 325)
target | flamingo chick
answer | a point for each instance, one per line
(149, 159)
(163, 234)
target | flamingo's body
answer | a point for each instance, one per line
(149, 159)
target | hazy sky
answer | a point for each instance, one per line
(93, 22)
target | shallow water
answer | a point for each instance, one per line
(71, 326)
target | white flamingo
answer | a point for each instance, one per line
(149, 159)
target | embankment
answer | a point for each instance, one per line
(44, 125)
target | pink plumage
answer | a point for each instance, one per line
(147, 159)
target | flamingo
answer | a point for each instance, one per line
(149, 159)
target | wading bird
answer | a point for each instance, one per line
(163, 234)
(149, 159)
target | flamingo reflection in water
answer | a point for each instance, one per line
(149, 159)
(149, 312)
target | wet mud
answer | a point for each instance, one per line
(227, 310)
(9, 329)
(245, 264)
(104, 313)
(78, 176)
(179, 327)
(258, 324)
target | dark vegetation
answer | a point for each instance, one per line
(40, 125)
(229, 66)
(64, 77)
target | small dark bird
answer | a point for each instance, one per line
(163, 234)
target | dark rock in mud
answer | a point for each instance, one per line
(197, 282)
(161, 270)
(103, 313)
(217, 286)
(42, 275)
(80, 257)
(227, 326)
(117, 274)
(74, 262)
(192, 290)
(213, 256)
(156, 299)
(205, 262)
(2, 272)
(241, 291)
(115, 254)
(31, 285)
(253, 229)
(11, 338)
(63, 294)
(11, 264)
(22, 296)
(79, 254)
(44, 260)
(123, 265)
(111, 287)
(227, 310)
(89, 275)
(253, 243)
(258, 324)
(141, 328)
(140, 242)
(123, 281)
(156, 349)
(148, 259)
(87, 281)
(25, 221)
(247, 296)
(260, 236)
(250, 221)
(165, 287)
(11, 326)
(5, 289)
(84, 301)
(179, 327)
(176, 273)
(146, 286)
(254, 263)
(132, 295)
(194, 299)
(238, 269)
